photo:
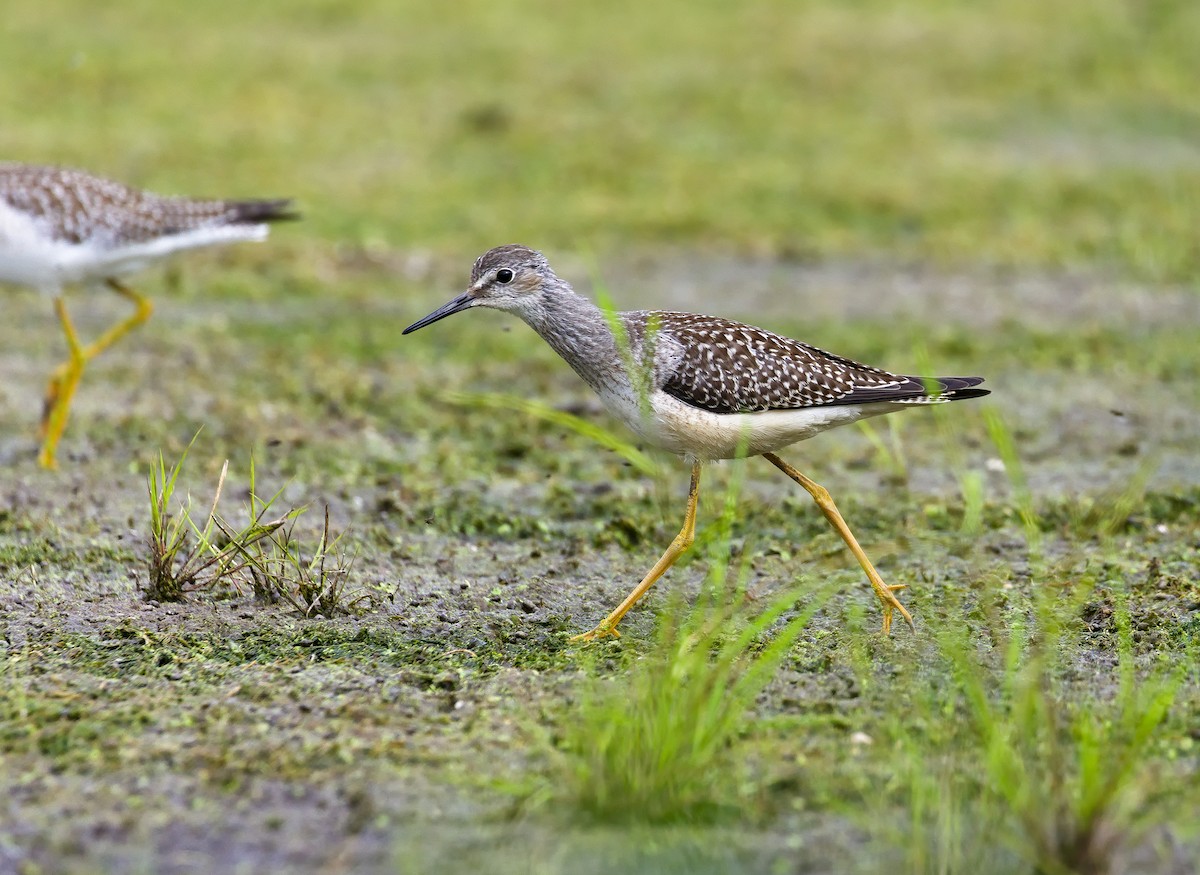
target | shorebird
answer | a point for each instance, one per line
(702, 387)
(61, 227)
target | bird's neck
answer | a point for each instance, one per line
(581, 333)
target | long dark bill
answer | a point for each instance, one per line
(462, 302)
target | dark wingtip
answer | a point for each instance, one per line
(964, 394)
(958, 388)
(253, 212)
(952, 384)
(918, 390)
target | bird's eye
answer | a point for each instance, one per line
(504, 276)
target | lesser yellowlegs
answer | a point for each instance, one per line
(702, 387)
(62, 227)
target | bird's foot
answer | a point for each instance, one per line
(890, 603)
(604, 630)
(46, 458)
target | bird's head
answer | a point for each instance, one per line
(511, 277)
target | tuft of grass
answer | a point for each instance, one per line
(1106, 514)
(264, 555)
(186, 556)
(1065, 773)
(659, 745)
(313, 585)
(1006, 447)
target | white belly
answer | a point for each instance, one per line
(28, 256)
(671, 425)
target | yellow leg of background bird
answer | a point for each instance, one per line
(65, 379)
(61, 390)
(678, 547)
(824, 500)
(143, 308)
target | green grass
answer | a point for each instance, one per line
(1002, 750)
(1007, 132)
(187, 555)
(264, 555)
(658, 745)
(1069, 777)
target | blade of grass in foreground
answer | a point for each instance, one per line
(1006, 447)
(660, 743)
(1069, 781)
(602, 436)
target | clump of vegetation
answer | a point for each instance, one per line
(264, 554)
(186, 556)
(1065, 772)
(1065, 778)
(314, 585)
(658, 744)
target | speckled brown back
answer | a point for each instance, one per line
(77, 207)
(729, 367)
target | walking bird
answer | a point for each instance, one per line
(702, 387)
(62, 227)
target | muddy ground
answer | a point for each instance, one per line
(221, 734)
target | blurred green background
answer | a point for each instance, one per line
(1012, 132)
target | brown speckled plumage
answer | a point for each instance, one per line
(77, 207)
(730, 367)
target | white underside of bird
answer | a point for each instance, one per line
(666, 422)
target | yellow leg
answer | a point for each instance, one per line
(824, 500)
(65, 379)
(61, 390)
(679, 546)
(143, 307)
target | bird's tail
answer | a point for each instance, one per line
(955, 388)
(936, 390)
(255, 212)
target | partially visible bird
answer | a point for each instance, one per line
(701, 387)
(61, 227)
